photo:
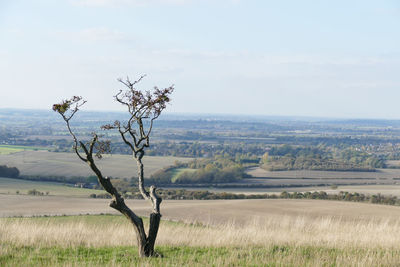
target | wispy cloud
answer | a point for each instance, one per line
(97, 34)
(288, 59)
(116, 3)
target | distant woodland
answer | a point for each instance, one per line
(11, 172)
(287, 157)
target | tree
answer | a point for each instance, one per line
(143, 109)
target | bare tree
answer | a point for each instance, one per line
(143, 109)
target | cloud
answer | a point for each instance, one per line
(116, 3)
(97, 34)
(288, 59)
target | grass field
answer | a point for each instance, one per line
(68, 164)
(285, 240)
(9, 149)
(271, 232)
(11, 186)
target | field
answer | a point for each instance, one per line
(384, 181)
(9, 149)
(387, 190)
(204, 211)
(381, 174)
(68, 164)
(257, 232)
(232, 233)
(11, 186)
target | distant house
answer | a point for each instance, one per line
(81, 185)
(85, 185)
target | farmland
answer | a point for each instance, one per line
(312, 178)
(383, 181)
(67, 164)
(75, 230)
(12, 186)
(204, 211)
(9, 149)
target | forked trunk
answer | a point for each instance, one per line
(145, 242)
(146, 245)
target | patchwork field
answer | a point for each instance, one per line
(384, 181)
(68, 164)
(258, 232)
(380, 174)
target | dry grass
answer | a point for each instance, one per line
(275, 239)
(284, 230)
(231, 233)
(284, 240)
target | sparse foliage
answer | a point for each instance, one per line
(142, 107)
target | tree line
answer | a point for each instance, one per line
(287, 157)
(201, 171)
(10, 172)
(183, 194)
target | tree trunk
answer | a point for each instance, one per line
(146, 245)
(145, 242)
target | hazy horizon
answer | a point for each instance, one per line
(324, 59)
(226, 115)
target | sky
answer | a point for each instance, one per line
(319, 58)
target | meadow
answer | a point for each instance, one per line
(67, 229)
(280, 240)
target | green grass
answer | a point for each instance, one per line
(178, 171)
(194, 256)
(11, 186)
(275, 253)
(9, 149)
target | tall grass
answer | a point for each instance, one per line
(279, 240)
(100, 231)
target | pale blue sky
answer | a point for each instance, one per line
(301, 58)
